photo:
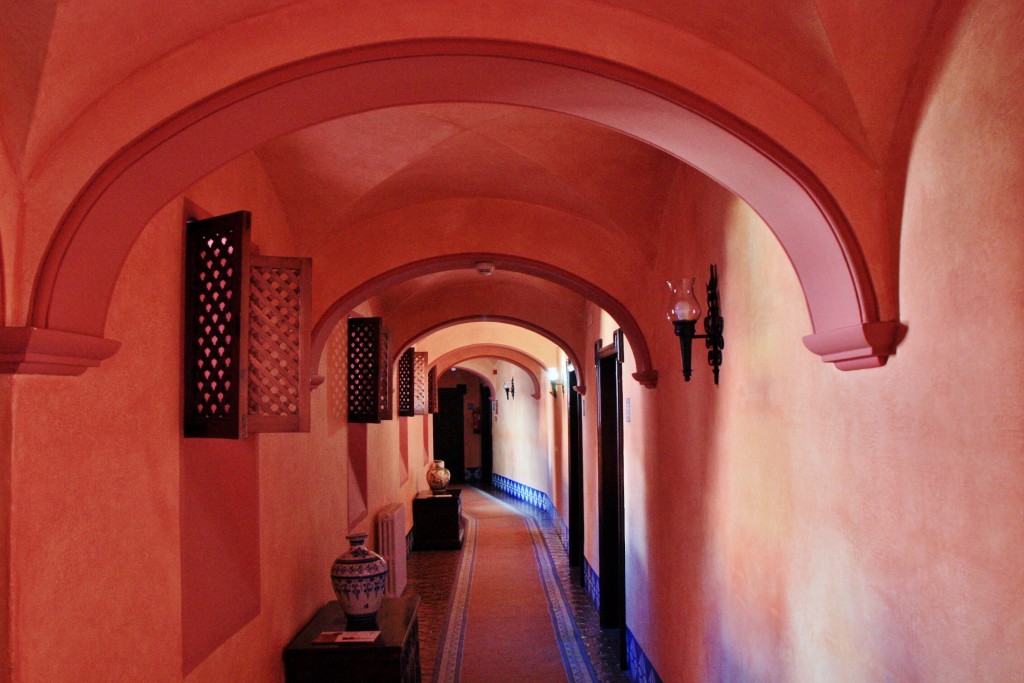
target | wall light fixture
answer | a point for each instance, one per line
(684, 312)
(555, 379)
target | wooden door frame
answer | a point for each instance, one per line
(458, 474)
(611, 562)
(575, 472)
(486, 435)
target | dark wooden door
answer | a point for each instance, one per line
(449, 431)
(575, 474)
(611, 513)
(486, 443)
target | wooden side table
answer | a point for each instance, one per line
(437, 519)
(394, 656)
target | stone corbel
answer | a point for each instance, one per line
(40, 351)
(857, 347)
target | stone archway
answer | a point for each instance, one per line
(514, 356)
(645, 374)
(79, 270)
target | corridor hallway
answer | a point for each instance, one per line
(503, 592)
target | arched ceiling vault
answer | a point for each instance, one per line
(560, 343)
(80, 268)
(531, 366)
(481, 376)
(424, 296)
(832, 56)
(431, 302)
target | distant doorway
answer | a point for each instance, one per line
(449, 431)
(575, 474)
(486, 442)
(611, 512)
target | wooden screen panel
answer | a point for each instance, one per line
(405, 384)
(216, 345)
(387, 410)
(337, 372)
(279, 311)
(364, 354)
(432, 390)
(419, 383)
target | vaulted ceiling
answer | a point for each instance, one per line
(849, 63)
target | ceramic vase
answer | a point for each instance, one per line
(358, 577)
(438, 477)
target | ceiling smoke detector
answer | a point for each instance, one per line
(485, 267)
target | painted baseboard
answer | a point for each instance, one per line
(592, 584)
(527, 494)
(640, 668)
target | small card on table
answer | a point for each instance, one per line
(346, 637)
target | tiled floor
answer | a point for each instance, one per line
(432, 574)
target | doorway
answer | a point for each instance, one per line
(486, 442)
(611, 511)
(575, 474)
(449, 431)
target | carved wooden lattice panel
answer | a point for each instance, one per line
(432, 390)
(419, 383)
(279, 296)
(337, 372)
(387, 410)
(405, 384)
(364, 353)
(216, 328)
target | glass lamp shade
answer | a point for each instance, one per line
(682, 303)
(553, 374)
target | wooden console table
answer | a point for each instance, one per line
(437, 520)
(394, 656)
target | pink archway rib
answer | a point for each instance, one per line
(645, 374)
(77, 276)
(525, 362)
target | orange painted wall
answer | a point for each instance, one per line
(521, 433)
(795, 523)
(803, 524)
(98, 519)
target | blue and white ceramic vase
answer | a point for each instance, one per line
(358, 577)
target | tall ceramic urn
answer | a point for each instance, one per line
(438, 477)
(358, 577)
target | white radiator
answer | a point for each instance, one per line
(391, 546)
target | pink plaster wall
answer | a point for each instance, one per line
(220, 542)
(6, 424)
(800, 524)
(98, 518)
(521, 433)
(793, 524)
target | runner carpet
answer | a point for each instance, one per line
(509, 620)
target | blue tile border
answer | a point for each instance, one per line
(527, 494)
(562, 529)
(640, 668)
(534, 497)
(592, 584)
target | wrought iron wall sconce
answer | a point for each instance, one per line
(510, 389)
(555, 379)
(684, 312)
